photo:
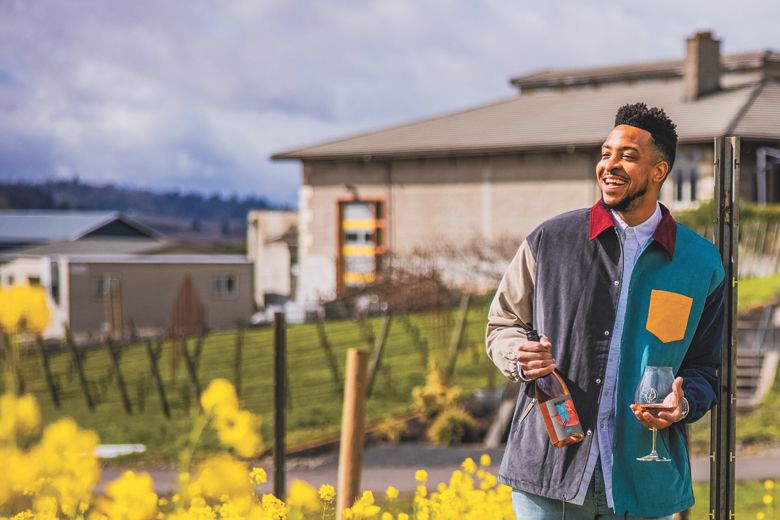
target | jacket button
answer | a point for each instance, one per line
(588, 433)
(606, 333)
(598, 381)
(617, 282)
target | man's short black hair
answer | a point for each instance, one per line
(655, 121)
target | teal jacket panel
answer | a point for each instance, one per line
(674, 318)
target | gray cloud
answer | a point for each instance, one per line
(197, 94)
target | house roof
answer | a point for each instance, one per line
(91, 246)
(49, 226)
(159, 259)
(554, 118)
(767, 61)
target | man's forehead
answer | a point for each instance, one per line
(627, 135)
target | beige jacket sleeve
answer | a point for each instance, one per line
(511, 313)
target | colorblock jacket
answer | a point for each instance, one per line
(565, 282)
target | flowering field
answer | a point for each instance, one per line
(52, 476)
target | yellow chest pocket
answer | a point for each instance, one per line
(667, 317)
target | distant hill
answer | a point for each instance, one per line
(185, 216)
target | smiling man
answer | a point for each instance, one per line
(614, 289)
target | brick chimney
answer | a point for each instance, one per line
(701, 69)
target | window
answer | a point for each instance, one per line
(361, 242)
(225, 286)
(686, 177)
(106, 285)
(33, 281)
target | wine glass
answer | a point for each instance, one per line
(653, 389)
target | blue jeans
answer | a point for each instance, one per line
(534, 507)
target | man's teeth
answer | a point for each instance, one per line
(614, 181)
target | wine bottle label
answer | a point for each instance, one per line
(563, 417)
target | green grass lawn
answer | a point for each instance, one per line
(314, 404)
(755, 291)
(750, 501)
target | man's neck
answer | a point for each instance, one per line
(635, 216)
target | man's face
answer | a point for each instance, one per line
(631, 169)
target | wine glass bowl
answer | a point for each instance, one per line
(650, 396)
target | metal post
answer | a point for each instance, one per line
(722, 442)
(280, 398)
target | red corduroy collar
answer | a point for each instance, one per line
(665, 234)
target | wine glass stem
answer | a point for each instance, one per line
(654, 432)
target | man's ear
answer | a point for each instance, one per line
(660, 172)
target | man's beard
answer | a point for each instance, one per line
(624, 204)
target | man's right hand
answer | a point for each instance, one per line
(535, 359)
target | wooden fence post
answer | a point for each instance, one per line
(55, 398)
(376, 354)
(352, 430)
(79, 369)
(457, 335)
(154, 358)
(280, 396)
(120, 381)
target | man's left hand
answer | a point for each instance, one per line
(662, 420)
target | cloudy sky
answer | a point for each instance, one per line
(196, 94)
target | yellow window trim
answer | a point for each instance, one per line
(350, 224)
(359, 251)
(359, 277)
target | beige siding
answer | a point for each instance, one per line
(435, 202)
(149, 292)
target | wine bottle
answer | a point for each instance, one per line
(556, 406)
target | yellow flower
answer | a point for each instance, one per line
(769, 484)
(23, 309)
(391, 493)
(469, 466)
(303, 496)
(403, 516)
(273, 507)
(760, 515)
(258, 476)
(421, 475)
(364, 506)
(767, 500)
(223, 475)
(387, 516)
(327, 493)
(219, 396)
(19, 416)
(484, 460)
(131, 497)
(238, 429)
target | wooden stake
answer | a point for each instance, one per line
(154, 358)
(352, 430)
(55, 398)
(457, 335)
(79, 369)
(376, 354)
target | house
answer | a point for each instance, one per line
(272, 244)
(486, 176)
(111, 275)
(24, 228)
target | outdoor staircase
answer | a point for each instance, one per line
(758, 355)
